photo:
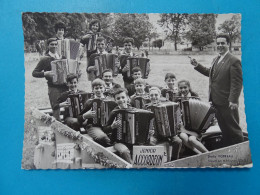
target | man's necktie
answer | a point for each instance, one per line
(215, 64)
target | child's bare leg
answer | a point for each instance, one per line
(197, 144)
(124, 152)
(185, 139)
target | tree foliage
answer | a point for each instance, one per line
(158, 43)
(136, 26)
(152, 35)
(175, 25)
(40, 26)
(232, 27)
(201, 29)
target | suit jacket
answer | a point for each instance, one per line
(225, 84)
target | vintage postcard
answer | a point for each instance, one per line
(111, 90)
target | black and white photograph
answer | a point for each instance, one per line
(118, 90)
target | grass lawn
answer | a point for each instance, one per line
(36, 91)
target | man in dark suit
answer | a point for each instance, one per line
(225, 85)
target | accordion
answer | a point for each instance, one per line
(106, 61)
(134, 127)
(77, 102)
(140, 102)
(167, 118)
(68, 48)
(102, 109)
(169, 95)
(142, 63)
(197, 115)
(61, 69)
(91, 42)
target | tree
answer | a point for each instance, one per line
(232, 27)
(40, 26)
(152, 35)
(158, 43)
(29, 26)
(136, 26)
(201, 29)
(175, 24)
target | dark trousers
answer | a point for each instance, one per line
(228, 121)
(54, 93)
(73, 123)
(175, 142)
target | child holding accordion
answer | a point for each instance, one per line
(89, 40)
(140, 86)
(72, 82)
(121, 98)
(190, 138)
(170, 91)
(91, 68)
(136, 74)
(128, 126)
(156, 138)
(185, 91)
(128, 45)
(88, 115)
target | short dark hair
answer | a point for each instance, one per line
(128, 39)
(106, 70)
(184, 81)
(50, 40)
(71, 76)
(224, 36)
(136, 69)
(100, 39)
(59, 25)
(94, 22)
(97, 82)
(120, 90)
(170, 75)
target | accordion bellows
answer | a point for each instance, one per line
(197, 115)
(140, 102)
(102, 109)
(106, 61)
(142, 63)
(77, 102)
(134, 127)
(61, 69)
(167, 118)
(68, 48)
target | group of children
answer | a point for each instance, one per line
(103, 88)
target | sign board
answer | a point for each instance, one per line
(65, 152)
(148, 156)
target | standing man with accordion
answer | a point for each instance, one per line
(44, 69)
(225, 85)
